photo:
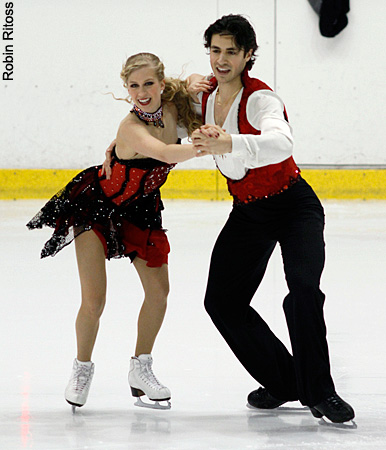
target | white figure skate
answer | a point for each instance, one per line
(79, 384)
(142, 381)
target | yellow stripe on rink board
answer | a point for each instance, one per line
(365, 184)
(201, 184)
(33, 183)
(196, 184)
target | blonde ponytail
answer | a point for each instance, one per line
(175, 91)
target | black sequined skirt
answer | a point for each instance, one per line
(130, 229)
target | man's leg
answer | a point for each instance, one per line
(302, 248)
(238, 263)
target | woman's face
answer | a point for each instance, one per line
(145, 89)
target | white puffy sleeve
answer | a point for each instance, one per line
(265, 112)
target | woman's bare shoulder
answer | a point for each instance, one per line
(128, 120)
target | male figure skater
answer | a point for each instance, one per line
(247, 131)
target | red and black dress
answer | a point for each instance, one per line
(124, 212)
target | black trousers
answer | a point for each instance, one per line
(295, 219)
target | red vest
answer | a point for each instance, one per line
(261, 182)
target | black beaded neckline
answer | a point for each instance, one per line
(155, 118)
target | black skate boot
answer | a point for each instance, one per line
(334, 408)
(262, 399)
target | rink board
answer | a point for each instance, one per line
(200, 184)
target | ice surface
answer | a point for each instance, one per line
(39, 303)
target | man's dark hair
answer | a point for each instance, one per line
(242, 31)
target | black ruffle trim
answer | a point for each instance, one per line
(82, 205)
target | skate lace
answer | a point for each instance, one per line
(149, 378)
(335, 402)
(81, 378)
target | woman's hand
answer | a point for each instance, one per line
(212, 139)
(197, 83)
(106, 166)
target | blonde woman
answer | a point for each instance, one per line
(121, 217)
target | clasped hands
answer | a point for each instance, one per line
(211, 140)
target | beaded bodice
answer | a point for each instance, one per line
(134, 178)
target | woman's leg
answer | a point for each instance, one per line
(92, 273)
(155, 282)
(142, 381)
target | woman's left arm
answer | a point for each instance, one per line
(197, 83)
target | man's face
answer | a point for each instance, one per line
(226, 59)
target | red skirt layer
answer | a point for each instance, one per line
(150, 245)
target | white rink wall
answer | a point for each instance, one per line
(67, 54)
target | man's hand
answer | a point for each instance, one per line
(106, 168)
(211, 139)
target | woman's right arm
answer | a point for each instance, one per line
(143, 143)
(106, 166)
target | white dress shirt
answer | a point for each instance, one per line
(265, 113)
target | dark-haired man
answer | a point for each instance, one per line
(247, 131)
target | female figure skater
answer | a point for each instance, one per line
(121, 217)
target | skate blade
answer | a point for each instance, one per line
(155, 405)
(74, 406)
(279, 408)
(350, 425)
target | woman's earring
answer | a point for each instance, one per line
(162, 91)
